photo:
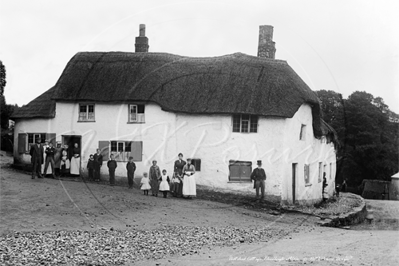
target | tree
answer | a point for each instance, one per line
(2, 78)
(368, 131)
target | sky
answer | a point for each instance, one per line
(339, 45)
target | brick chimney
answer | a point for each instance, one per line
(141, 41)
(266, 46)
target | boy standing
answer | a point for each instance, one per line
(130, 167)
(98, 162)
(90, 167)
(111, 168)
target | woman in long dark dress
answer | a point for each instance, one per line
(155, 174)
(178, 169)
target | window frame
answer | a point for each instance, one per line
(123, 155)
(28, 144)
(251, 122)
(87, 117)
(140, 115)
(302, 133)
(197, 164)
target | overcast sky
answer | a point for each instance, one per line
(342, 46)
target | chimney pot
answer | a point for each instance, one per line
(141, 45)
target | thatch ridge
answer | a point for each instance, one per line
(230, 84)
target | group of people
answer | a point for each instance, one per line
(182, 183)
(57, 158)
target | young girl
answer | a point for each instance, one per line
(145, 184)
(164, 185)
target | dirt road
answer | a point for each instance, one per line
(47, 205)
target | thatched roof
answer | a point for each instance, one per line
(231, 84)
(41, 107)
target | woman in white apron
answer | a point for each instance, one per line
(75, 160)
(189, 184)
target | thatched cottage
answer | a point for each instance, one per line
(224, 112)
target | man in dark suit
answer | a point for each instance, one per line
(36, 153)
(98, 162)
(50, 150)
(259, 177)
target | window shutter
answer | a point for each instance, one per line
(22, 143)
(137, 151)
(103, 145)
(50, 137)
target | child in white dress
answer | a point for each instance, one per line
(164, 185)
(145, 184)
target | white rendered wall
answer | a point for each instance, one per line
(209, 138)
(310, 151)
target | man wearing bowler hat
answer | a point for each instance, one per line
(259, 177)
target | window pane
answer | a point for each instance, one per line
(244, 126)
(140, 108)
(254, 123)
(133, 108)
(83, 108)
(245, 117)
(42, 137)
(236, 123)
(113, 145)
(128, 146)
(91, 108)
(82, 116)
(30, 138)
(90, 116)
(120, 146)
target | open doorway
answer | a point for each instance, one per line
(294, 176)
(74, 153)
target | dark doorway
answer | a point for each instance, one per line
(294, 166)
(70, 140)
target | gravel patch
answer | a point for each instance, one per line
(117, 247)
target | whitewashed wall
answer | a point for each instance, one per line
(209, 138)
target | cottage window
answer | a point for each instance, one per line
(136, 113)
(245, 123)
(307, 174)
(122, 150)
(302, 133)
(197, 164)
(25, 140)
(240, 171)
(86, 112)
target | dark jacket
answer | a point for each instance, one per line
(50, 152)
(36, 153)
(131, 167)
(258, 174)
(90, 164)
(98, 160)
(112, 164)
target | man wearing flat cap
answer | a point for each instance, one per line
(259, 177)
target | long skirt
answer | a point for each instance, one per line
(189, 186)
(154, 186)
(75, 166)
